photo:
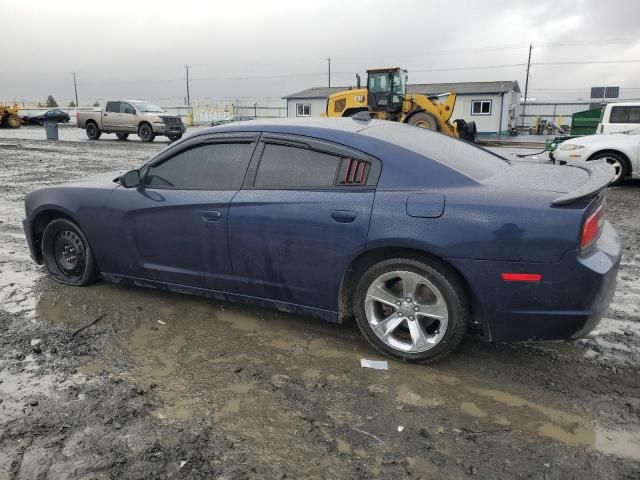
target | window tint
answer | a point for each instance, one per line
(219, 166)
(291, 167)
(113, 107)
(626, 114)
(126, 108)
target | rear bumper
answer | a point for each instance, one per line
(569, 301)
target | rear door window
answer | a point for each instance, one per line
(215, 166)
(113, 107)
(284, 166)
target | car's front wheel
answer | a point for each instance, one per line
(145, 132)
(67, 253)
(411, 309)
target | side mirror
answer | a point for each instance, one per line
(130, 179)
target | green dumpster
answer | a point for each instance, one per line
(585, 122)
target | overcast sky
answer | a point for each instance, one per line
(262, 50)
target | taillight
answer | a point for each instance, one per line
(592, 228)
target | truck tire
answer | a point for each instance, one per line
(93, 132)
(12, 121)
(145, 132)
(424, 120)
(175, 138)
(122, 135)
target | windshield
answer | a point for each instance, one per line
(147, 107)
(635, 131)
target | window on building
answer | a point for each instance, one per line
(303, 109)
(625, 114)
(283, 166)
(216, 166)
(481, 107)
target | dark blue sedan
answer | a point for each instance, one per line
(416, 234)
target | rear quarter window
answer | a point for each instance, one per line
(461, 156)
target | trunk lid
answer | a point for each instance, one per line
(571, 183)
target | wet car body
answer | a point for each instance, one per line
(296, 249)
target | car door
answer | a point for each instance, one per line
(127, 117)
(301, 217)
(174, 226)
(111, 116)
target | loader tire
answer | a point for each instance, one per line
(424, 120)
(13, 121)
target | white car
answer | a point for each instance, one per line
(622, 150)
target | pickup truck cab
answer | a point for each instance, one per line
(124, 117)
(619, 117)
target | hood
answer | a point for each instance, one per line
(103, 180)
(594, 139)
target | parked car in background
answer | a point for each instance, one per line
(621, 150)
(415, 233)
(50, 116)
(619, 117)
(124, 117)
(237, 118)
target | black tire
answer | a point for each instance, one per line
(175, 138)
(618, 162)
(67, 253)
(145, 132)
(13, 121)
(424, 120)
(122, 135)
(93, 132)
(449, 287)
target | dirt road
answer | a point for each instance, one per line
(173, 386)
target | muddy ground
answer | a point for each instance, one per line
(173, 386)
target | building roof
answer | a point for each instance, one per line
(462, 88)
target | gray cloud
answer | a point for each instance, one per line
(252, 50)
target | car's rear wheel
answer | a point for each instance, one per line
(67, 253)
(411, 309)
(617, 162)
(145, 132)
(122, 135)
(93, 132)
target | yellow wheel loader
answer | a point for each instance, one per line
(386, 98)
(9, 117)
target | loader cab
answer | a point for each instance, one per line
(386, 89)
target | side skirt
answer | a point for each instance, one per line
(319, 313)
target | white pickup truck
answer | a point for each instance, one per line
(619, 117)
(124, 117)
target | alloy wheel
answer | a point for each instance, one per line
(406, 311)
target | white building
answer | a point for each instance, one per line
(494, 106)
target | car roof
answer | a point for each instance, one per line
(297, 125)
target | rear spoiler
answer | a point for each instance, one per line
(600, 175)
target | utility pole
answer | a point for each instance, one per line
(75, 87)
(526, 84)
(187, 67)
(329, 60)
